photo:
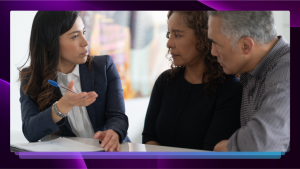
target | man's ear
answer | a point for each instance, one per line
(247, 45)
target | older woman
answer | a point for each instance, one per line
(193, 104)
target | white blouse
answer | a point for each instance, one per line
(78, 117)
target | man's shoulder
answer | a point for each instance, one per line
(279, 71)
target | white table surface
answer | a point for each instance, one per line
(18, 137)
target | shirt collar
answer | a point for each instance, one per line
(262, 68)
(74, 72)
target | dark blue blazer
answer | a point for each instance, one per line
(107, 112)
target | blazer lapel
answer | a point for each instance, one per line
(87, 85)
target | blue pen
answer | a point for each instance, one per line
(55, 84)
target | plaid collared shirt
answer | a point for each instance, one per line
(265, 109)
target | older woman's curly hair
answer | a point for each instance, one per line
(213, 75)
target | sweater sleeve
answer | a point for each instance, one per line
(149, 132)
(226, 116)
(269, 128)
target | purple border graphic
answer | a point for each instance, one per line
(150, 155)
(255, 5)
(10, 160)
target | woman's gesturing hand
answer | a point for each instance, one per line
(80, 99)
(69, 100)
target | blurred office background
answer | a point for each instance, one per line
(136, 40)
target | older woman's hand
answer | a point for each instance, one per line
(109, 140)
(221, 146)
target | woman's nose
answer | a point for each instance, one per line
(85, 42)
(170, 43)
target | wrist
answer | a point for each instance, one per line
(118, 134)
(58, 112)
(63, 106)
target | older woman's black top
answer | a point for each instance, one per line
(181, 115)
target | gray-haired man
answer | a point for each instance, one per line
(246, 43)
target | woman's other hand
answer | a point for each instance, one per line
(109, 140)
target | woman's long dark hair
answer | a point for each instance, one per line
(214, 75)
(44, 55)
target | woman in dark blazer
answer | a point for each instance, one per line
(58, 51)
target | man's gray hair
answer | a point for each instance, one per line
(259, 25)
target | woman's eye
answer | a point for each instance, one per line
(177, 35)
(168, 34)
(75, 37)
(84, 32)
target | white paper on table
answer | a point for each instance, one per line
(59, 144)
